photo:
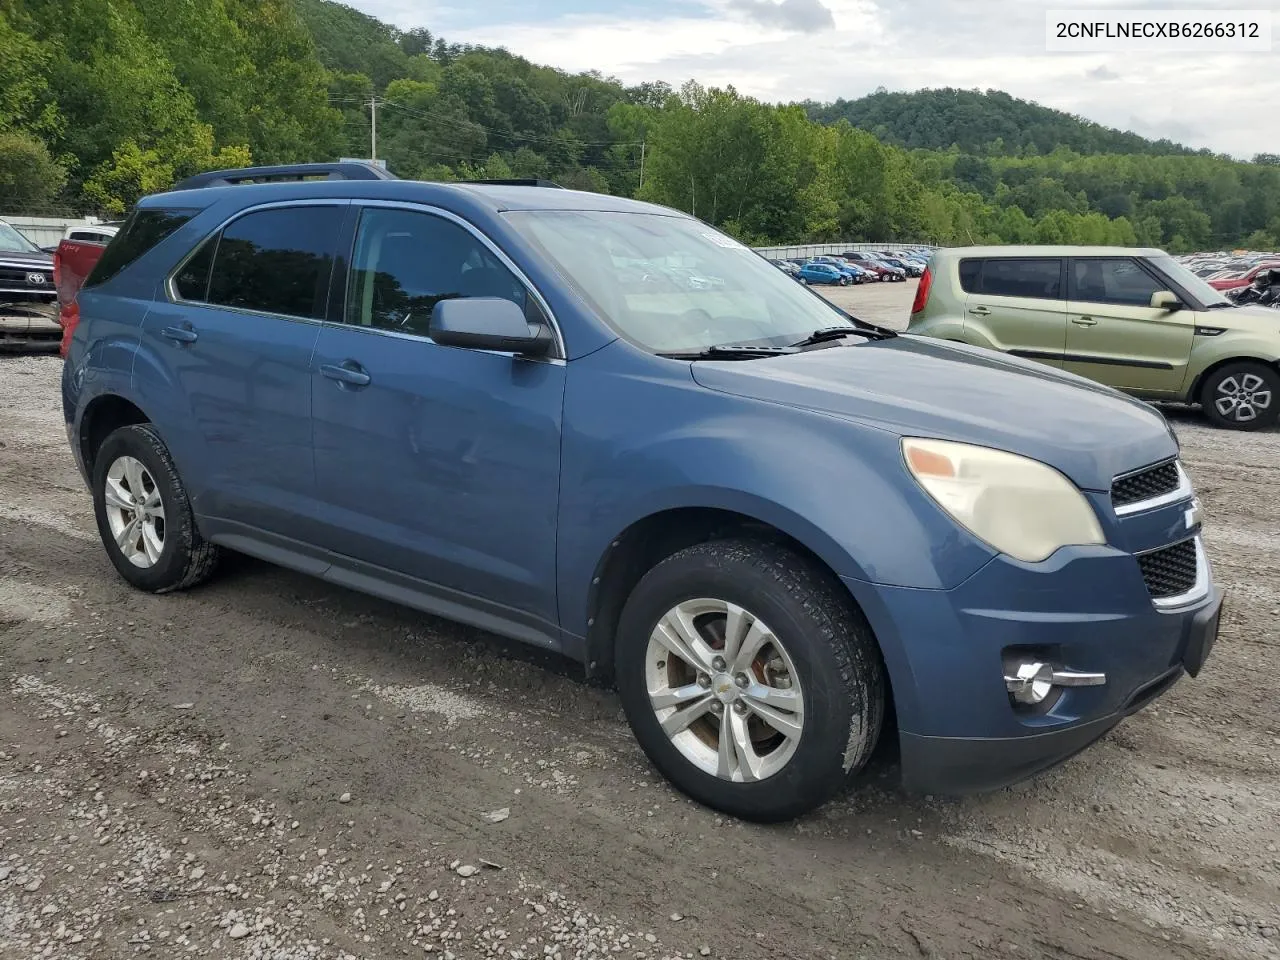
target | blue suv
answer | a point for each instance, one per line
(604, 428)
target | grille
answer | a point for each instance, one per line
(1170, 571)
(1145, 484)
(18, 275)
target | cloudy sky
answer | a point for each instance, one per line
(784, 50)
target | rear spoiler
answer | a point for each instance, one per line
(346, 170)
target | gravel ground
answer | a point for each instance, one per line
(271, 767)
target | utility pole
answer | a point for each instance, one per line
(373, 128)
(642, 164)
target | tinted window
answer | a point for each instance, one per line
(191, 282)
(1038, 279)
(277, 261)
(142, 231)
(969, 270)
(1114, 281)
(406, 262)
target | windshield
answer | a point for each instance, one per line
(671, 284)
(11, 241)
(1189, 282)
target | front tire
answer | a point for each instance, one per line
(1242, 396)
(749, 678)
(143, 514)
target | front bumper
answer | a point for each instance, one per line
(1086, 609)
(29, 325)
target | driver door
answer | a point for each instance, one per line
(438, 463)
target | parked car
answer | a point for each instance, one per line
(445, 395)
(1133, 319)
(816, 272)
(27, 293)
(73, 261)
(787, 267)
(26, 271)
(908, 269)
(853, 273)
(875, 265)
(1242, 279)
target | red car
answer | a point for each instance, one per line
(1231, 283)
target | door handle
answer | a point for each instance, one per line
(1084, 321)
(180, 334)
(348, 373)
(979, 311)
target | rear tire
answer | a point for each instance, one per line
(818, 676)
(144, 516)
(1242, 396)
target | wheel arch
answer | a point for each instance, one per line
(652, 538)
(103, 415)
(1197, 384)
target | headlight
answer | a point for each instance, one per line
(1020, 507)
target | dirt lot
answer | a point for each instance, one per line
(270, 767)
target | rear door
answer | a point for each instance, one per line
(227, 353)
(1017, 305)
(1113, 334)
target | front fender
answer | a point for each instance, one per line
(837, 487)
(1209, 352)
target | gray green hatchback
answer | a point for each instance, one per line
(1133, 319)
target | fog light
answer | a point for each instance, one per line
(1030, 683)
(1033, 680)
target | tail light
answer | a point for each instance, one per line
(922, 291)
(68, 313)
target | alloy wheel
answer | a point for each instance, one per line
(724, 690)
(1243, 397)
(135, 512)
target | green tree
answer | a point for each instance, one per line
(29, 176)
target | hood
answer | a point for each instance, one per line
(32, 258)
(922, 387)
(1245, 317)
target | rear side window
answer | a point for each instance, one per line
(1038, 279)
(276, 261)
(191, 282)
(969, 272)
(142, 231)
(1119, 281)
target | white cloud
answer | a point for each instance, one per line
(902, 45)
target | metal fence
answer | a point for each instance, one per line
(827, 249)
(45, 231)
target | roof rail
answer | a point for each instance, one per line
(349, 170)
(519, 182)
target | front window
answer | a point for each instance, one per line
(1188, 281)
(671, 284)
(11, 241)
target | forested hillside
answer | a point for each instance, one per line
(102, 101)
(983, 123)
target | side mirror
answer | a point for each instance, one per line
(1165, 300)
(487, 323)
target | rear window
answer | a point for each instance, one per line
(142, 231)
(1037, 279)
(275, 261)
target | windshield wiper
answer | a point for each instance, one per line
(827, 334)
(729, 351)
